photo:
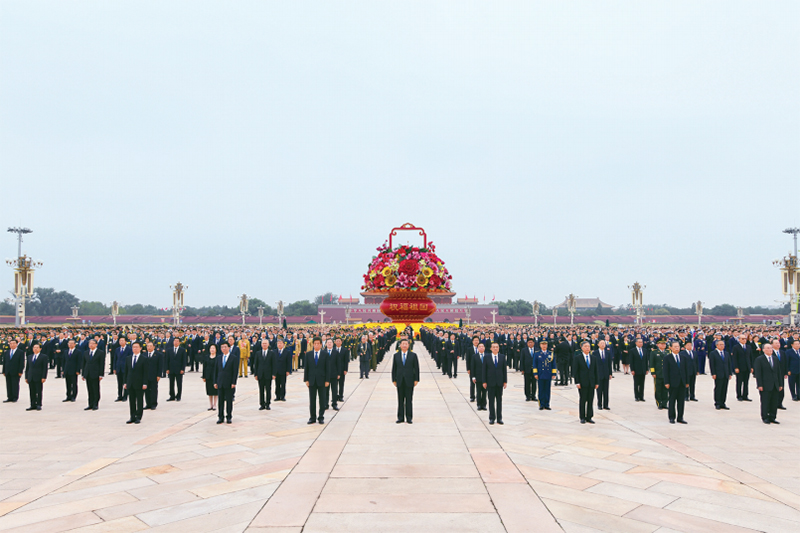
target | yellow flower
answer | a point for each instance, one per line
(421, 280)
(386, 271)
(391, 279)
(427, 272)
(372, 274)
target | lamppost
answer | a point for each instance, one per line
(75, 309)
(347, 314)
(572, 307)
(260, 315)
(535, 306)
(494, 314)
(23, 277)
(555, 315)
(740, 314)
(637, 293)
(244, 303)
(177, 301)
(280, 309)
(698, 309)
(321, 317)
(114, 311)
(468, 313)
(791, 276)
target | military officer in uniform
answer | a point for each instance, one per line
(543, 372)
(657, 370)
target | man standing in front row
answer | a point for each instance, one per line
(316, 375)
(227, 374)
(676, 373)
(544, 369)
(405, 376)
(769, 380)
(495, 379)
(36, 375)
(721, 371)
(136, 381)
(585, 374)
(13, 368)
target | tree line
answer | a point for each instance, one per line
(524, 308)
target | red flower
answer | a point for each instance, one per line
(434, 281)
(378, 281)
(408, 267)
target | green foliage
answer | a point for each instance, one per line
(256, 302)
(6, 308)
(51, 303)
(326, 298)
(94, 308)
(299, 308)
(141, 309)
(515, 308)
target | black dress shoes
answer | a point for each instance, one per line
(311, 421)
(131, 421)
(400, 421)
(219, 421)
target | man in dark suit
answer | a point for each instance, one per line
(136, 381)
(263, 372)
(73, 362)
(769, 380)
(316, 376)
(470, 353)
(364, 356)
(94, 362)
(36, 375)
(527, 364)
(721, 371)
(605, 361)
(176, 366)
(742, 368)
(792, 356)
(155, 371)
(343, 366)
(639, 365)
(332, 392)
(281, 368)
(120, 360)
(779, 354)
(676, 380)
(495, 379)
(690, 356)
(477, 374)
(13, 368)
(405, 376)
(585, 373)
(227, 375)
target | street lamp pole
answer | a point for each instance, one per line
(260, 315)
(24, 267)
(793, 278)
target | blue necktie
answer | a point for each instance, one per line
(316, 357)
(224, 360)
(404, 359)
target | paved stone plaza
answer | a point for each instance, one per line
(64, 469)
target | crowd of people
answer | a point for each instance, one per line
(586, 356)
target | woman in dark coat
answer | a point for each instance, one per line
(210, 376)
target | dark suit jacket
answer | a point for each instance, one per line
(94, 367)
(281, 362)
(121, 356)
(15, 366)
(73, 363)
(136, 376)
(494, 376)
(690, 361)
(720, 367)
(769, 377)
(155, 365)
(674, 375)
(405, 375)
(229, 374)
(317, 373)
(604, 366)
(477, 366)
(263, 365)
(527, 359)
(639, 365)
(583, 375)
(36, 371)
(342, 356)
(176, 361)
(364, 350)
(741, 359)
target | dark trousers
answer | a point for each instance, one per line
(769, 404)
(585, 408)
(690, 390)
(12, 387)
(495, 394)
(563, 370)
(454, 365)
(264, 391)
(93, 391)
(226, 401)
(364, 367)
(471, 389)
(175, 379)
(720, 390)
(480, 395)
(152, 394)
(602, 393)
(280, 386)
(35, 389)
(72, 386)
(638, 386)
(122, 392)
(530, 385)
(794, 386)
(660, 391)
(136, 403)
(677, 394)
(59, 367)
(742, 385)
(341, 388)
(332, 394)
(405, 402)
(315, 391)
(544, 392)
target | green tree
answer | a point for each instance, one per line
(515, 308)
(51, 303)
(6, 308)
(94, 308)
(268, 310)
(300, 308)
(722, 310)
(326, 298)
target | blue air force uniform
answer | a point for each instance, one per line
(544, 369)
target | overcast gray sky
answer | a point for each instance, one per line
(269, 147)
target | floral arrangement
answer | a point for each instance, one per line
(408, 268)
